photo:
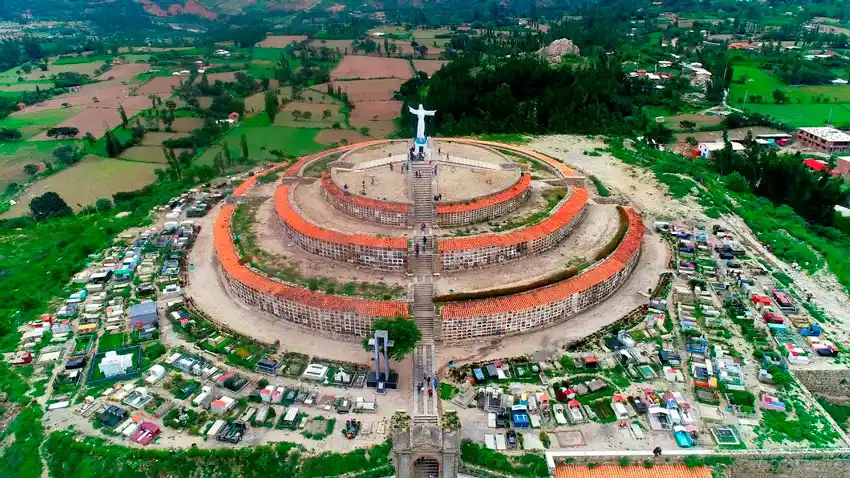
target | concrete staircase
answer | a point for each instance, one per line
(425, 408)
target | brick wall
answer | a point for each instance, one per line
(382, 212)
(486, 207)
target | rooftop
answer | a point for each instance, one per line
(633, 471)
(545, 295)
(828, 133)
(560, 218)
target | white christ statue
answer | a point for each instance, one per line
(420, 125)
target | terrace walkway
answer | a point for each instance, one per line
(421, 258)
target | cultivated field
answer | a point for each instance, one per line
(429, 66)
(161, 85)
(317, 120)
(365, 67)
(378, 116)
(31, 124)
(93, 178)
(227, 77)
(14, 156)
(280, 41)
(155, 138)
(331, 136)
(185, 125)
(367, 90)
(124, 71)
(262, 139)
(91, 120)
(672, 122)
(341, 45)
(99, 95)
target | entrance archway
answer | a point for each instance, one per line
(426, 467)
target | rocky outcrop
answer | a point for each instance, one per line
(558, 49)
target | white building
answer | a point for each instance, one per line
(113, 364)
(155, 374)
(707, 149)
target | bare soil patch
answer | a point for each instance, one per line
(700, 120)
(148, 154)
(185, 125)
(124, 71)
(91, 120)
(226, 77)
(429, 66)
(366, 90)
(330, 136)
(280, 41)
(98, 95)
(160, 85)
(90, 179)
(154, 138)
(365, 67)
(378, 116)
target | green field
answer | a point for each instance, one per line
(13, 157)
(262, 139)
(268, 54)
(32, 124)
(801, 110)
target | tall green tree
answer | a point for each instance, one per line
(402, 331)
(272, 104)
(123, 115)
(49, 205)
(228, 156)
(244, 141)
(113, 146)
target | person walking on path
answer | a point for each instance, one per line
(657, 451)
(416, 248)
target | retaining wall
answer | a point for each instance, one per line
(383, 212)
(380, 253)
(546, 306)
(327, 313)
(484, 208)
(478, 251)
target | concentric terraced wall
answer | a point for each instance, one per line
(382, 212)
(463, 213)
(462, 253)
(544, 307)
(380, 253)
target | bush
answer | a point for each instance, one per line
(30, 169)
(103, 205)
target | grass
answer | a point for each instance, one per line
(447, 391)
(262, 139)
(13, 157)
(600, 188)
(110, 342)
(278, 267)
(34, 123)
(267, 54)
(92, 178)
(839, 413)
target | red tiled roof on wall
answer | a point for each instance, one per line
(502, 196)
(560, 218)
(334, 190)
(295, 221)
(229, 260)
(560, 167)
(605, 270)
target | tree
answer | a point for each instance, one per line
(307, 115)
(244, 141)
(779, 97)
(123, 115)
(326, 114)
(691, 141)
(103, 205)
(113, 146)
(687, 125)
(66, 155)
(9, 134)
(90, 139)
(218, 163)
(272, 104)
(171, 105)
(228, 157)
(30, 169)
(402, 331)
(296, 114)
(737, 183)
(49, 205)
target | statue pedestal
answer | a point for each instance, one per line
(420, 145)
